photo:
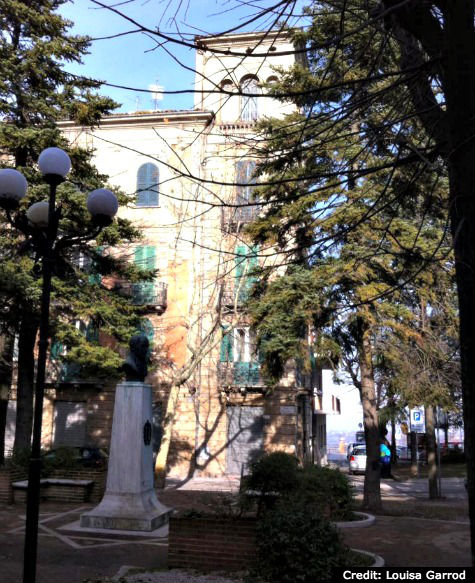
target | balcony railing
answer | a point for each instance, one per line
(236, 291)
(149, 294)
(240, 374)
(69, 373)
(232, 218)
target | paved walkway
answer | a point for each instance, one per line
(70, 557)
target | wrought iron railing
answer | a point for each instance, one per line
(240, 374)
(234, 217)
(144, 293)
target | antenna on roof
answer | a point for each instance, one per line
(157, 94)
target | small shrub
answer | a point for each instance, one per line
(454, 457)
(327, 491)
(274, 475)
(295, 545)
(20, 459)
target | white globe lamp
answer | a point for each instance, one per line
(37, 214)
(13, 188)
(54, 164)
(103, 205)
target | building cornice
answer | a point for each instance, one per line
(202, 42)
(149, 118)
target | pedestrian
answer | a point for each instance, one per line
(385, 459)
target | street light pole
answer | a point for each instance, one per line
(34, 469)
(102, 205)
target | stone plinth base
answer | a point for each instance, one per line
(123, 513)
(130, 502)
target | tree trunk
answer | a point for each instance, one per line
(431, 452)
(414, 455)
(459, 89)
(25, 386)
(6, 357)
(393, 440)
(372, 492)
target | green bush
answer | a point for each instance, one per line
(297, 546)
(273, 476)
(277, 476)
(327, 491)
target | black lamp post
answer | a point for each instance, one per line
(54, 164)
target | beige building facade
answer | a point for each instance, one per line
(191, 172)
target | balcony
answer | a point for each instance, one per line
(152, 296)
(69, 373)
(240, 374)
(233, 218)
(234, 294)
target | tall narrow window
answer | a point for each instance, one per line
(249, 111)
(245, 180)
(245, 277)
(145, 259)
(228, 103)
(147, 185)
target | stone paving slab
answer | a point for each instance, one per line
(64, 557)
(414, 542)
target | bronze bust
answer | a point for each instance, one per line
(135, 365)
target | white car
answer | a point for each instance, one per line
(357, 460)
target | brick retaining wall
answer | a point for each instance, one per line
(211, 543)
(60, 493)
(98, 476)
(7, 476)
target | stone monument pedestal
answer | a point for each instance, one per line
(130, 502)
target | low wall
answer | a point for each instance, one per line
(56, 492)
(7, 476)
(211, 543)
(99, 478)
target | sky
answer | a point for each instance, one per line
(136, 60)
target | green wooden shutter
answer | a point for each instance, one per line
(226, 351)
(139, 255)
(149, 286)
(95, 277)
(56, 349)
(92, 332)
(144, 292)
(246, 262)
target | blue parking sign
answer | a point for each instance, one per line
(417, 419)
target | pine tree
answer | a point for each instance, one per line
(356, 238)
(35, 92)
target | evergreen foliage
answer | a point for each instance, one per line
(36, 93)
(361, 221)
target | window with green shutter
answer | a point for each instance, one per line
(144, 292)
(246, 263)
(94, 276)
(57, 349)
(92, 332)
(147, 185)
(226, 351)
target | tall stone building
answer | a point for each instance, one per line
(192, 173)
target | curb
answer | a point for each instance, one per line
(378, 560)
(368, 520)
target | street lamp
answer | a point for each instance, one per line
(54, 164)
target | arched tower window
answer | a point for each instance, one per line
(147, 185)
(249, 111)
(228, 103)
